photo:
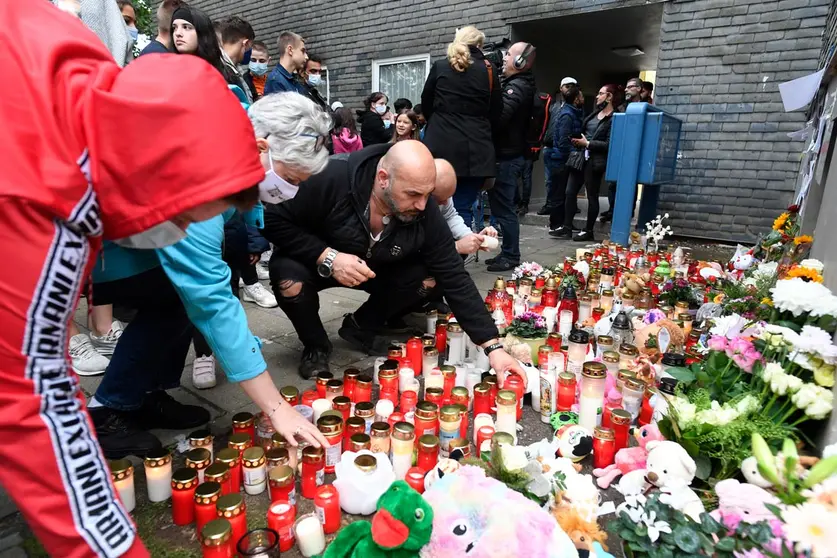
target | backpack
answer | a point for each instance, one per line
(538, 123)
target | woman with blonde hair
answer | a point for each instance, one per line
(461, 102)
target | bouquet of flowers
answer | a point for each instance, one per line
(675, 290)
(802, 301)
(528, 325)
(530, 270)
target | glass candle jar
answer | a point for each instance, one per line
(332, 429)
(183, 484)
(591, 399)
(621, 376)
(620, 422)
(320, 406)
(122, 474)
(280, 518)
(264, 431)
(627, 355)
(275, 457)
(366, 411)
(493, 388)
(363, 389)
(429, 360)
(604, 447)
(482, 401)
(279, 442)
(449, 420)
(430, 318)
(232, 459)
(349, 379)
(342, 404)
(379, 437)
(334, 388)
(290, 394)
(681, 307)
(401, 448)
(388, 375)
(396, 417)
(244, 423)
(566, 391)
(506, 412)
(220, 472)
(606, 277)
(408, 401)
(577, 351)
(434, 395)
(383, 409)
(259, 543)
(460, 448)
(240, 441)
(427, 418)
(585, 307)
(202, 439)
(308, 397)
(282, 485)
(456, 344)
(198, 459)
(415, 350)
(463, 420)
(254, 470)
(459, 396)
(231, 507)
(158, 475)
(483, 438)
(359, 442)
(501, 439)
(406, 376)
(441, 335)
(611, 361)
(354, 425)
(604, 343)
(632, 394)
(309, 534)
(554, 340)
(313, 470)
(606, 302)
(327, 508)
(216, 539)
(206, 496)
(428, 452)
(515, 384)
(321, 380)
(449, 375)
(671, 360)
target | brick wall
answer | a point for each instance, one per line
(719, 68)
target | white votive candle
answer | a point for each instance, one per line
(434, 379)
(309, 535)
(405, 378)
(378, 362)
(320, 406)
(383, 409)
(122, 473)
(158, 475)
(482, 419)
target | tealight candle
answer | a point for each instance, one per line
(122, 473)
(320, 406)
(280, 518)
(158, 475)
(309, 535)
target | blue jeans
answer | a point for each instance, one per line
(550, 165)
(467, 190)
(503, 208)
(152, 350)
(526, 184)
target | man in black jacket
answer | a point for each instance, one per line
(368, 222)
(518, 88)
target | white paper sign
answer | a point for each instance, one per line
(797, 93)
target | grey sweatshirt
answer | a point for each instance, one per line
(456, 224)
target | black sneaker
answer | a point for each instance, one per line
(366, 340)
(502, 264)
(314, 360)
(161, 410)
(606, 216)
(561, 232)
(584, 236)
(545, 210)
(523, 209)
(490, 261)
(119, 434)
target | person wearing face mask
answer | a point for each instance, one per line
(259, 60)
(191, 282)
(237, 38)
(312, 78)
(71, 187)
(374, 127)
(130, 17)
(292, 57)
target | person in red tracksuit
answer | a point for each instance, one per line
(89, 151)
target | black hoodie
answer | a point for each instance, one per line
(331, 210)
(518, 96)
(372, 129)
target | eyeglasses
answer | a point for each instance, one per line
(320, 141)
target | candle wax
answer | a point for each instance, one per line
(158, 482)
(310, 536)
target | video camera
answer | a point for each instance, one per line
(494, 52)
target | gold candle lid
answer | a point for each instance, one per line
(427, 410)
(207, 492)
(608, 292)
(403, 431)
(360, 441)
(454, 327)
(628, 350)
(431, 352)
(429, 441)
(365, 409)
(323, 377)
(200, 438)
(157, 458)
(279, 441)
(620, 417)
(604, 340)
(449, 413)
(333, 413)
(218, 472)
(330, 424)
(281, 475)
(428, 340)
(459, 392)
(434, 391)
(681, 304)
(380, 429)
(610, 356)
(366, 463)
(460, 443)
(431, 312)
(594, 370)
(341, 402)
(243, 420)
(278, 456)
(334, 386)
(499, 284)
(491, 380)
(536, 293)
(501, 439)
(289, 393)
(253, 457)
(363, 380)
(120, 469)
(230, 505)
(184, 478)
(387, 373)
(352, 373)
(603, 433)
(482, 388)
(198, 458)
(448, 370)
(623, 374)
(216, 532)
(627, 295)
(506, 397)
(313, 454)
(357, 422)
(566, 378)
(545, 349)
(635, 384)
(240, 441)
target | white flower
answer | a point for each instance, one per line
(779, 384)
(812, 526)
(717, 415)
(794, 383)
(811, 263)
(772, 369)
(817, 341)
(826, 487)
(799, 297)
(819, 409)
(655, 527)
(686, 412)
(634, 506)
(749, 404)
(803, 360)
(514, 458)
(777, 335)
(805, 396)
(728, 326)
(766, 269)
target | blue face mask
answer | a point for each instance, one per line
(246, 59)
(258, 68)
(134, 33)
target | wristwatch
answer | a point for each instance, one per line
(325, 269)
(493, 347)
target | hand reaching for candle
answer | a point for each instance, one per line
(290, 424)
(504, 364)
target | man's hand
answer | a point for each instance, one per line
(469, 244)
(504, 364)
(489, 231)
(290, 424)
(254, 258)
(350, 271)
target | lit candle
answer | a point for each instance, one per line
(280, 518)
(435, 379)
(122, 474)
(405, 378)
(309, 535)
(481, 420)
(590, 402)
(320, 406)
(565, 323)
(158, 475)
(401, 448)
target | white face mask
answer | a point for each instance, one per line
(158, 236)
(380, 109)
(314, 80)
(274, 188)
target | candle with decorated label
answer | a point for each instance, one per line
(331, 428)
(183, 484)
(427, 418)
(206, 496)
(379, 437)
(366, 411)
(244, 423)
(232, 508)
(220, 472)
(280, 518)
(216, 539)
(548, 393)
(327, 508)
(198, 459)
(253, 470)
(122, 474)
(309, 534)
(506, 412)
(313, 465)
(158, 475)
(232, 459)
(591, 399)
(401, 448)
(449, 421)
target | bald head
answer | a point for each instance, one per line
(445, 181)
(508, 60)
(405, 178)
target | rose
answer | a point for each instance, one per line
(717, 343)
(746, 360)
(738, 346)
(771, 370)
(819, 409)
(805, 396)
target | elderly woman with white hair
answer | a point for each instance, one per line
(290, 135)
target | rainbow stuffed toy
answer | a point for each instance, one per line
(478, 517)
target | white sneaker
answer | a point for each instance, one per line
(262, 271)
(203, 372)
(106, 343)
(265, 257)
(86, 360)
(258, 294)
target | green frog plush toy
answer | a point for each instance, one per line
(399, 529)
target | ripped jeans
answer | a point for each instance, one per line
(395, 289)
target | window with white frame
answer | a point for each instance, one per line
(401, 77)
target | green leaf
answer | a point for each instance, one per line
(709, 525)
(686, 539)
(823, 469)
(641, 530)
(760, 532)
(716, 362)
(683, 375)
(726, 544)
(627, 534)
(789, 325)
(704, 466)
(774, 509)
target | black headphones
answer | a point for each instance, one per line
(520, 61)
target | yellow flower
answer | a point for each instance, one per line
(719, 298)
(824, 375)
(804, 273)
(803, 239)
(780, 221)
(766, 301)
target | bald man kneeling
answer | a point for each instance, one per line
(467, 242)
(369, 222)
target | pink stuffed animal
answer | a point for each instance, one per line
(629, 459)
(742, 502)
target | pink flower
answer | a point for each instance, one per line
(730, 520)
(744, 362)
(752, 553)
(717, 343)
(739, 345)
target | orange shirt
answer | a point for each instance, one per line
(258, 83)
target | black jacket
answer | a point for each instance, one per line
(461, 108)
(599, 141)
(518, 96)
(372, 129)
(313, 94)
(331, 210)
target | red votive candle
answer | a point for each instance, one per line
(604, 447)
(309, 396)
(426, 420)
(363, 389)
(441, 335)
(434, 395)
(244, 423)
(349, 379)
(216, 539)
(280, 518)
(620, 421)
(232, 459)
(343, 404)
(415, 352)
(231, 507)
(290, 394)
(388, 376)
(415, 478)
(515, 384)
(483, 434)
(183, 485)
(409, 400)
(282, 485)
(491, 380)
(463, 420)
(206, 495)
(321, 381)
(313, 470)
(449, 374)
(394, 418)
(566, 391)
(327, 508)
(428, 452)
(482, 403)
(353, 425)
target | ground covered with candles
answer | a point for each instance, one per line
(675, 343)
